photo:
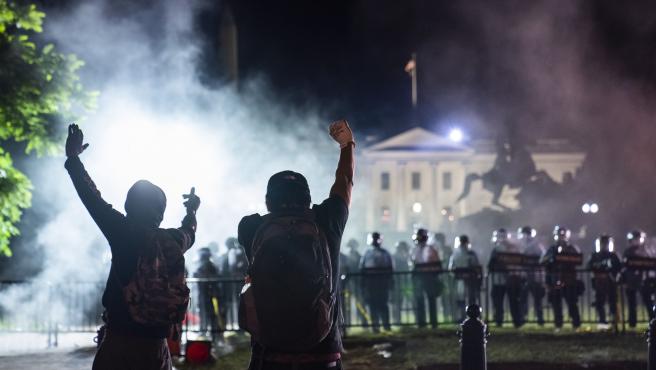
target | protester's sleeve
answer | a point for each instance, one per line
(109, 220)
(185, 235)
(344, 175)
(333, 214)
(246, 233)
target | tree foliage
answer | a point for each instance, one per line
(40, 92)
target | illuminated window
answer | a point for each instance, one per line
(384, 181)
(416, 181)
(446, 181)
(385, 214)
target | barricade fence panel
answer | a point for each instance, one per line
(368, 300)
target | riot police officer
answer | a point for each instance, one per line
(505, 278)
(534, 276)
(637, 280)
(376, 268)
(207, 293)
(605, 266)
(467, 274)
(426, 281)
(562, 282)
(402, 285)
(448, 296)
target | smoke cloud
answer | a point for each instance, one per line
(156, 121)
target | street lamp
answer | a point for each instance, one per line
(456, 135)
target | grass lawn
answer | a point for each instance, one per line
(425, 349)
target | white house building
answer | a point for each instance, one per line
(414, 178)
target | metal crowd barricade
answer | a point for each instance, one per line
(38, 307)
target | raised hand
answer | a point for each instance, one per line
(192, 201)
(74, 146)
(341, 133)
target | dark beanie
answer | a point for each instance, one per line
(288, 189)
(145, 203)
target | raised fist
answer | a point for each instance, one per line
(341, 133)
(192, 201)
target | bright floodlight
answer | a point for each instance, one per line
(456, 135)
(416, 208)
(594, 208)
(585, 208)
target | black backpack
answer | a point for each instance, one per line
(288, 302)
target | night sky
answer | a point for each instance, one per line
(348, 56)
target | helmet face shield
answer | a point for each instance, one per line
(604, 243)
(561, 234)
(462, 241)
(526, 232)
(499, 236)
(374, 239)
(636, 238)
(420, 236)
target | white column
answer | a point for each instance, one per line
(401, 208)
(372, 196)
(434, 209)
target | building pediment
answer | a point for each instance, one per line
(418, 140)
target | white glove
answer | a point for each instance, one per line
(341, 132)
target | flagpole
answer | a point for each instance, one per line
(414, 82)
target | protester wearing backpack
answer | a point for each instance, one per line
(289, 302)
(146, 294)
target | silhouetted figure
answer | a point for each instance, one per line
(376, 267)
(638, 280)
(561, 277)
(605, 266)
(467, 273)
(207, 294)
(290, 288)
(533, 249)
(352, 283)
(402, 291)
(506, 279)
(449, 295)
(145, 295)
(426, 280)
(234, 267)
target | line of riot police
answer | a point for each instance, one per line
(521, 272)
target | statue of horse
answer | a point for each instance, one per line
(513, 167)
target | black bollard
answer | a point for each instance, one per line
(651, 343)
(473, 337)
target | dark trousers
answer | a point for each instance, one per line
(420, 309)
(571, 296)
(498, 294)
(379, 310)
(257, 364)
(632, 302)
(208, 320)
(536, 291)
(603, 295)
(123, 352)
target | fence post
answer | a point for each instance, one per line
(473, 338)
(651, 343)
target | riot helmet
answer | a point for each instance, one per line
(526, 232)
(420, 236)
(353, 244)
(232, 243)
(375, 239)
(402, 247)
(499, 236)
(561, 234)
(462, 241)
(604, 243)
(204, 254)
(440, 239)
(636, 238)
